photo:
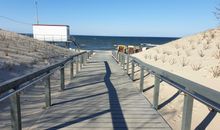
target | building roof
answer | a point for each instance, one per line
(50, 25)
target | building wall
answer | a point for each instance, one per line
(51, 33)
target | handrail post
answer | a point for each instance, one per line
(123, 61)
(15, 112)
(127, 63)
(142, 79)
(156, 92)
(77, 64)
(119, 58)
(132, 70)
(187, 112)
(62, 78)
(84, 59)
(81, 61)
(47, 92)
(71, 69)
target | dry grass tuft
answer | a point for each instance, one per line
(184, 62)
(178, 53)
(196, 67)
(217, 54)
(201, 53)
(215, 71)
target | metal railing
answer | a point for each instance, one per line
(192, 90)
(12, 88)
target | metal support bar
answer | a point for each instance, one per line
(127, 63)
(62, 78)
(142, 79)
(15, 112)
(47, 92)
(71, 69)
(132, 70)
(156, 92)
(187, 112)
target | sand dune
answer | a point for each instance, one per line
(21, 54)
(195, 57)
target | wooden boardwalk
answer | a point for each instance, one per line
(101, 97)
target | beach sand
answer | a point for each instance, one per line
(195, 57)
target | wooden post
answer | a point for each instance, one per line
(142, 79)
(187, 112)
(15, 112)
(132, 70)
(127, 63)
(77, 64)
(47, 92)
(71, 69)
(156, 92)
(62, 78)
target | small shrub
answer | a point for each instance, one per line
(196, 67)
(172, 61)
(184, 62)
(201, 53)
(215, 71)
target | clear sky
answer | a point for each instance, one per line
(114, 17)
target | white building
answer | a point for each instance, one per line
(51, 33)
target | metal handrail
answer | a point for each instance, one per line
(191, 89)
(11, 88)
(15, 82)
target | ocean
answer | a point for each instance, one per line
(109, 42)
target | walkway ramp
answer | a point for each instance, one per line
(101, 97)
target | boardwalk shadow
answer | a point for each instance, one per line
(114, 101)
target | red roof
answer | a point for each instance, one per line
(50, 25)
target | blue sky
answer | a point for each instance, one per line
(114, 17)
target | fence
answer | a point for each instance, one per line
(12, 88)
(191, 89)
